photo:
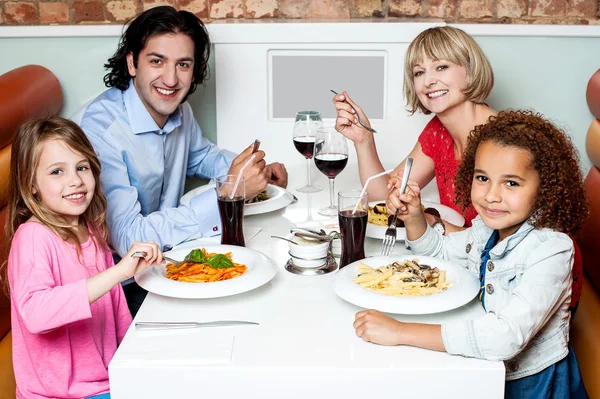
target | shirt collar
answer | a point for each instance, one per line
(510, 242)
(506, 245)
(140, 119)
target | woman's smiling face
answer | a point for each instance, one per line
(439, 84)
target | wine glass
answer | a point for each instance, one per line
(331, 157)
(305, 129)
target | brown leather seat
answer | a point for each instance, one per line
(585, 328)
(31, 91)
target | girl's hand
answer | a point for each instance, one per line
(347, 120)
(373, 326)
(131, 266)
(408, 204)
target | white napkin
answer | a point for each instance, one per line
(328, 225)
(178, 347)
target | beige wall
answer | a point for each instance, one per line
(39, 12)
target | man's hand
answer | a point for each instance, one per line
(256, 173)
(278, 174)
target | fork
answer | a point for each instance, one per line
(142, 254)
(358, 116)
(389, 240)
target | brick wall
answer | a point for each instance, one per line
(40, 12)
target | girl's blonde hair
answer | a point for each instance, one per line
(456, 46)
(23, 204)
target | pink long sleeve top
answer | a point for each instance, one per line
(62, 344)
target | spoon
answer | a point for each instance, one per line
(308, 234)
(285, 239)
(320, 232)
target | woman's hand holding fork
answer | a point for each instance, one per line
(349, 118)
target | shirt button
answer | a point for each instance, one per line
(468, 248)
(513, 366)
(490, 289)
(490, 266)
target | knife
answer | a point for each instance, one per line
(163, 325)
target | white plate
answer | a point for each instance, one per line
(448, 214)
(464, 288)
(278, 198)
(261, 270)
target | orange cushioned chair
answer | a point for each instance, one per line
(585, 329)
(27, 92)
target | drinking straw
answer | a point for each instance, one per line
(237, 181)
(387, 172)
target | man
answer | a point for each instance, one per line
(148, 140)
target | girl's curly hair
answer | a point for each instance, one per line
(561, 203)
(159, 21)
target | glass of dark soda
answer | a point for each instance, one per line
(353, 208)
(231, 196)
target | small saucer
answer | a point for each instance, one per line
(328, 267)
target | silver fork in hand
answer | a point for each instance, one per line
(142, 254)
(389, 240)
(358, 116)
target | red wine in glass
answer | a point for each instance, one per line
(331, 164)
(232, 216)
(352, 229)
(306, 125)
(305, 145)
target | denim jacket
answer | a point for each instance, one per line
(528, 290)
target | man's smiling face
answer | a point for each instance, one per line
(164, 73)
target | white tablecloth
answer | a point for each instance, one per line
(305, 345)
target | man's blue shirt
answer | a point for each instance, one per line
(144, 169)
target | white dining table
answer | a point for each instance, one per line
(305, 345)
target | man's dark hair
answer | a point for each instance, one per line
(158, 21)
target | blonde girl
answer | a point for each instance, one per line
(68, 312)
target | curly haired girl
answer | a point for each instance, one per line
(522, 176)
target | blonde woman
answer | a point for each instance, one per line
(445, 73)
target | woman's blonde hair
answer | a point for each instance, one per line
(456, 46)
(23, 203)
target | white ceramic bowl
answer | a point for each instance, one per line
(308, 263)
(308, 249)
